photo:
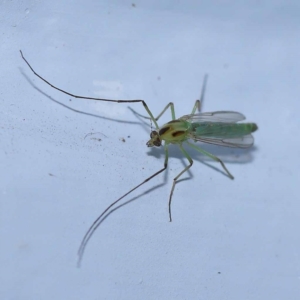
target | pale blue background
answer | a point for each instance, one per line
(228, 239)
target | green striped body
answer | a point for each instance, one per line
(228, 133)
(222, 130)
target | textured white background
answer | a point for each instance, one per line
(228, 239)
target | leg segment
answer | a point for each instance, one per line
(176, 178)
(92, 98)
(199, 102)
(203, 92)
(197, 106)
(171, 105)
(212, 157)
(99, 219)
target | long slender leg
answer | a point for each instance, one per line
(197, 106)
(199, 102)
(203, 92)
(92, 98)
(171, 105)
(97, 222)
(176, 178)
(212, 157)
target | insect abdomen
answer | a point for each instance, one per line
(220, 130)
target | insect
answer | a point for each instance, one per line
(218, 128)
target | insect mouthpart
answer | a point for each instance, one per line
(155, 139)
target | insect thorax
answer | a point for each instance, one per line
(175, 131)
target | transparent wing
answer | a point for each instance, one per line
(215, 117)
(237, 142)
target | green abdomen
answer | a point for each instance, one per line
(220, 130)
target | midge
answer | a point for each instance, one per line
(219, 128)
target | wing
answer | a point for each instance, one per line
(215, 117)
(245, 141)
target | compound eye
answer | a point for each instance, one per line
(153, 134)
(157, 143)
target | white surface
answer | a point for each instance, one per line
(228, 239)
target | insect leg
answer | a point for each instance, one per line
(199, 102)
(212, 157)
(197, 106)
(171, 105)
(176, 178)
(92, 98)
(99, 219)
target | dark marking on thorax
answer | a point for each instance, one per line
(178, 133)
(164, 130)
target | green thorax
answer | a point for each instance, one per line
(175, 131)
